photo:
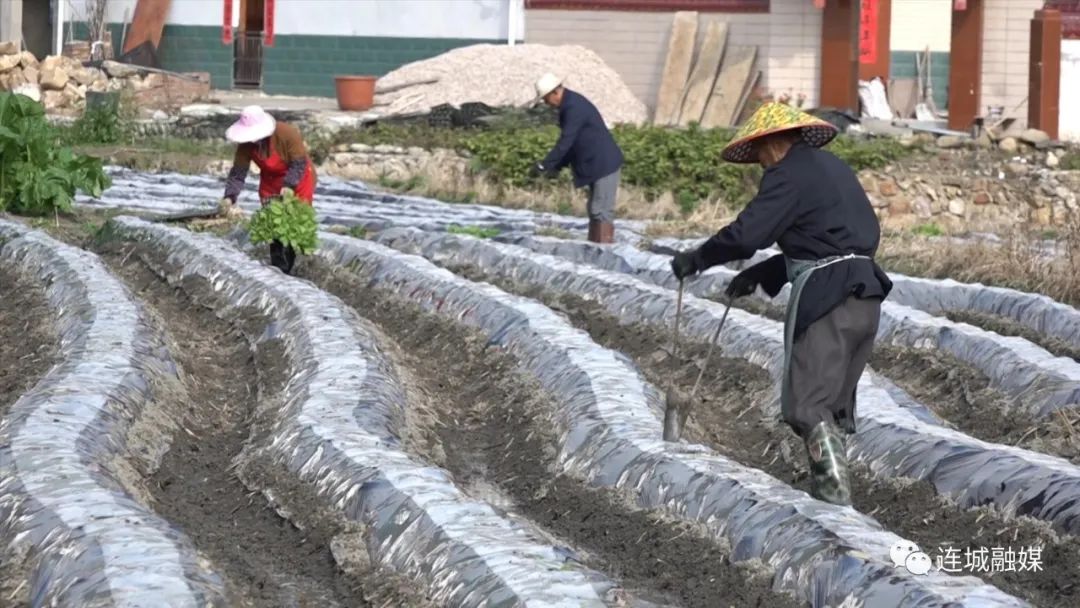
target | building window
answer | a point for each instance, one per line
(705, 6)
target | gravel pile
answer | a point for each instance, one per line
(501, 75)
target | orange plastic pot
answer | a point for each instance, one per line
(355, 92)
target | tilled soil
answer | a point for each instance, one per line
(28, 341)
(28, 349)
(962, 396)
(727, 417)
(493, 432)
(265, 559)
(1008, 327)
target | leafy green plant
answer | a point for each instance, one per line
(685, 162)
(290, 221)
(477, 231)
(108, 120)
(98, 125)
(38, 177)
(358, 232)
(1070, 161)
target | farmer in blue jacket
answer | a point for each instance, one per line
(587, 146)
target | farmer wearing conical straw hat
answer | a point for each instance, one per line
(813, 207)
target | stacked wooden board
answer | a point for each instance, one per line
(709, 87)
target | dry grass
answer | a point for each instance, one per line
(663, 214)
(1015, 263)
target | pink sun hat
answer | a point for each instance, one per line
(254, 124)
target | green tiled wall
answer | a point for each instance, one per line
(902, 65)
(186, 48)
(306, 65)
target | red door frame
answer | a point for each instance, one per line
(839, 55)
(965, 63)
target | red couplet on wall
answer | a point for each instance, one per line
(959, 5)
(868, 31)
(268, 23)
(226, 25)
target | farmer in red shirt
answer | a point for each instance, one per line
(277, 148)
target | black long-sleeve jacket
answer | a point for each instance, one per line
(584, 142)
(812, 206)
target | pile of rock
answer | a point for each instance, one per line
(504, 76)
(991, 138)
(62, 83)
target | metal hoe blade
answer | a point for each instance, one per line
(678, 405)
(674, 403)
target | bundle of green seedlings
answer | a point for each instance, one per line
(287, 220)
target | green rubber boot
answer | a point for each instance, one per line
(828, 465)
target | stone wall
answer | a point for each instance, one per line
(974, 190)
(61, 83)
(955, 189)
(394, 163)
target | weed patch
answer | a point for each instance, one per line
(476, 231)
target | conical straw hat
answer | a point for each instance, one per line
(774, 118)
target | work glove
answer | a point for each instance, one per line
(228, 209)
(685, 264)
(741, 285)
(287, 192)
(540, 170)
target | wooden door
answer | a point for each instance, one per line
(248, 46)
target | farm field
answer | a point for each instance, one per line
(462, 405)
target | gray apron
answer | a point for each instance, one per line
(798, 272)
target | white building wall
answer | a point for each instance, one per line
(917, 24)
(181, 12)
(479, 19)
(634, 43)
(793, 55)
(1006, 50)
(1069, 101)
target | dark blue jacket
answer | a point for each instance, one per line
(585, 142)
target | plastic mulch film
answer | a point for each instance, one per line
(939, 296)
(338, 431)
(609, 424)
(88, 542)
(336, 202)
(1033, 378)
(891, 439)
(1035, 311)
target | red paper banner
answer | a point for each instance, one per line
(868, 31)
(268, 23)
(959, 5)
(226, 26)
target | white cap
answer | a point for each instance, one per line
(547, 83)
